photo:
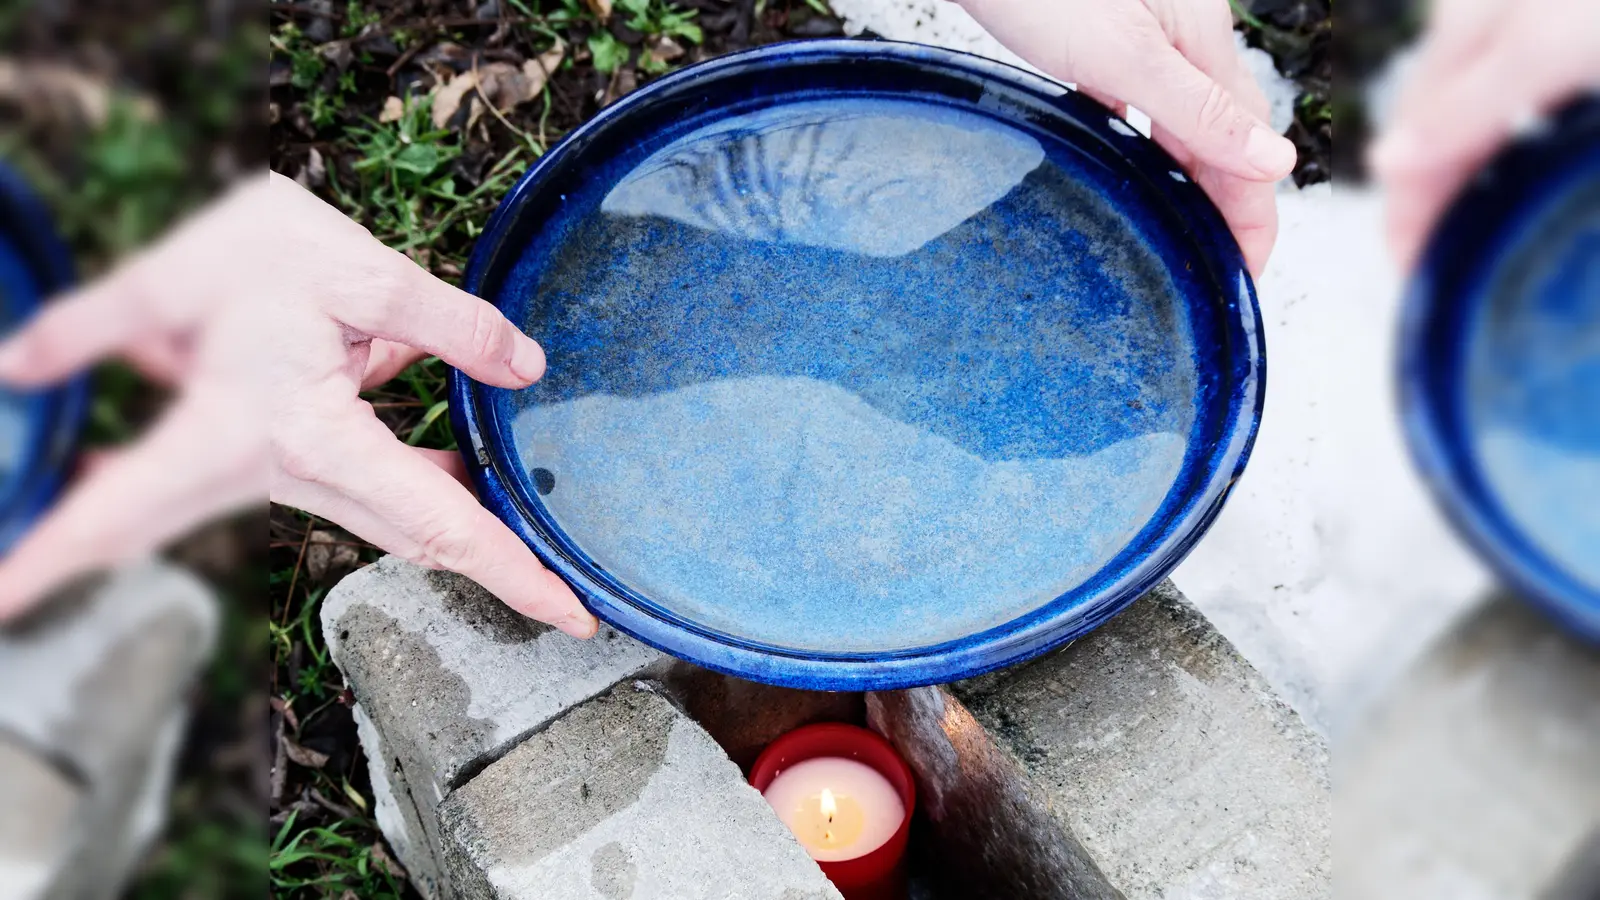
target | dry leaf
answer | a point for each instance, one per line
(393, 109)
(622, 84)
(601, 8)
(329, 552)
(381, 857)
(304, 756)
(285, 710)
(666, 50)
(49, 90)
(447, 97)
(315, 173)
(550, 60)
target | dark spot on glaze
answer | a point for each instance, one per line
(544, 481)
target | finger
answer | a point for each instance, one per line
(1117, 107)
(451, 462)
(1249, 207)
(162, 359)
(1251, 210)
(441, 524)
(1414, 204)
(1202, 114)
(78, 330)
(1470, 113)
(418, 310)
(386, 360)
(1457, 33)
(184, 472)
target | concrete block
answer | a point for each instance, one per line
(989, 833)
(1164, 755)
(447, 679)
(93, 695)
(623, 797)
(1478, 775)
(745, 716)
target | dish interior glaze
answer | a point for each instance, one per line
(17, 288)
(1532, 386)
(858, 373)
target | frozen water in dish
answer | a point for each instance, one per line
(14, 283)
(1534, 387)
(855, 375)
(814, 174)
(790, 508)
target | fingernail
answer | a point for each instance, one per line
(527, 360)
(581, 628)
(1273, 155)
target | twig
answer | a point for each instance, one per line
(477, 87)
(306, 9)
(294, 579)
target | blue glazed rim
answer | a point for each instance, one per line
(54, 415)
(1001, 90)
(1474, 236)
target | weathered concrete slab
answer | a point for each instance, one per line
(92, 709)
(990, 832)
(448, 678)
(745, 716)
(1478, 776)
(1166, 757)
(635, 801)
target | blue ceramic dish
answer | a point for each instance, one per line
(871, 364)
(1500, 368)
(38, 430)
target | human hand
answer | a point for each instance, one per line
(205, 455)
(1176, 61)
(351, 313)
(205, 308)
(1485, 69)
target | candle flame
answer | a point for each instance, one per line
(829, 807)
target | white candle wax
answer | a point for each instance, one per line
(838, 808)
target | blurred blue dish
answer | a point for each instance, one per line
(1501, 366)
(37, 429)
(870, 364)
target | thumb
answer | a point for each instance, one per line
(1204, 116)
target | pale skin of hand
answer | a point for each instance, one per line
(335, 312)
(1484, 69)
(1176, 61)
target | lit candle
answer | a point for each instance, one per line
(838, 808)
(848, 798)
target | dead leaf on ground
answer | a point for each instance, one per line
(381, 857)
(666, 50)
(329, 552)
(502, 84)
(622, 84)
(51, 92)
(447, 97)
(601, 8)
(313, 175)
(285, 710)
(393, 109)
(303, 756)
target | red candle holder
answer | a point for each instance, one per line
(879, 874)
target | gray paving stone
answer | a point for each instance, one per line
(1478, 776)
(446, 679)
(92, 712)
(1165, 756)
(623, 797)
